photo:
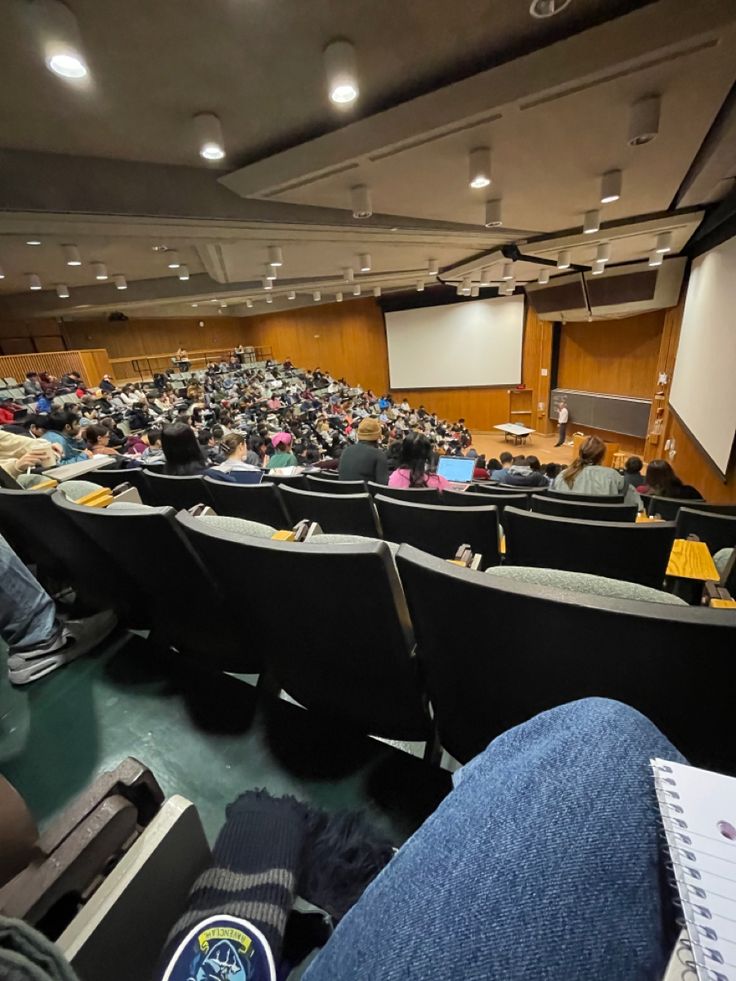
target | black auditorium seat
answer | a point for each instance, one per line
(176, 492)
(112, 477)
(668, 507)
(466, 499)
(360, 670)
(185, 605)
(523, 494)
(544, 504)
(625, 550)
(648, 655)
(716, 530)
(257, 502)
(586, 498)
(298, 480)
(427, 495)
(321, 486)
(440, 530)
(340, 514)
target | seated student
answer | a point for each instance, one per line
(479, 468)
(32, 386)
(525, 472)
(97, 438)
(551, 470)
(106, 384)
(416, 453)
(662, 481)
(282, 457)
(256, 455)
(585, 475)
(183, 454)
(117, 437)
(8, 408)
(153, 452)
(234, 446)
(365, 460)
(500, 472)
(18, 453)
(632, 471)
(63, 429)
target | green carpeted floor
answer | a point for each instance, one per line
(203, 735)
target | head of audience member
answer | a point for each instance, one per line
(234, 446)
(634, 465)
(551, 470)
(494, 464)
(506, 460)
(97, 437)
(152, 438)
(205, 438)
(480, 462)
(63, 421)
(369, 431)
(218, 432)
(181, 450)
(281, 442)
(533, 463)
(591, 453)
(416, 453)
(662, 479)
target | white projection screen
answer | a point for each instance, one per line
(460, 344)
(703, 390)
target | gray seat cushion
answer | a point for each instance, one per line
(74, 489)
(583, 582)
(239, 526)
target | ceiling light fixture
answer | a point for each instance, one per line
(341, 72)
(599, 268)
(2, 274)
(603, 252)
(71, 255)
(269, 299)
(120, 282)
(563, 259)
(172, 259)
(475, 291)
(459, 289)
(267, 283)
(376, 291)
(33, 241)
(420, 286)
(508, 287)
(62, 291)
(291, 295)
(656, 258)
(466, 284)
(493, 214)
(610, 186)
(508, 271)
(208, 130)
(249, 303)
(100, 270)
(316, 296)
(275, 256)
(183, 272)
(34, 282)
(361, 199)
(57, 28)
(664, 242)
(542, 9)
(347, 274)
(364, 262)
(271, 273)
(485, 276)
(480, 167)
(338, 297)
(543, 276)
(591, 221)
(356, 290)
(644, 120)
(195, 304)
(433, 268)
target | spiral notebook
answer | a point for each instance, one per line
(698, 810)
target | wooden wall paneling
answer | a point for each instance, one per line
(132, 338)
(27, 336)
(616, 357)
(49, 342)
(693, 466)
(95, 364)
(482, 408)
(17, 345)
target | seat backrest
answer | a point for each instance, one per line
(440, 530)
(109, 477)
(357, 669)
(180, 595)
(257, 502)
(322, 485)
(716, 530)
(425, 495)
(297, 481)
(505, 490)
(551, 647)
(500, 501)
(669, 507)
(587, 498)
(544, 504)
(344, 514)
(618, 550)
(180, 493)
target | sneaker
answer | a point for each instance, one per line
(77, 638)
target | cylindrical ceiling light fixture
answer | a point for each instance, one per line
(466, 284)
(269, 299)
(376, 291)
(356, 291)
(71, 255)
(210, 140)
(172, 259)
(34, 282)
(664, 242)
(459, 290)
(591, 221)
(271, 273)
(433, 268)
(475, 291)
(656, 258)
(341, 72)
(183, 272)
(316, 296)
(338, 297)
(493, 214)
(267, 283)
(62, 291)
(603, 252)
(479, 167)
(610, 186)
(57, 29)
(508, 271)
(100, 270)
(291, 295)
(364, 262)
(249, 303)
(2, 274)
(120, 282)
(508, 287)
(275, 256)
(420, 286)
(563, 259)
(644, 120)
(599, 268)
(348, 274)
(361, 200)
(543, 276)
(485, 276)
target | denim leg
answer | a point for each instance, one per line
(543, 863)
(27, 612)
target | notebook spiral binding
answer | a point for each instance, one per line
(697, 958)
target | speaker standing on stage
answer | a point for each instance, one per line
(562, 417)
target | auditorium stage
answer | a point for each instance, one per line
(538, 444)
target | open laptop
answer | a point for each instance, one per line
(456, 469)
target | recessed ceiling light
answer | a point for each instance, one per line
(543, 276)
(364, 261)
(33, 241)
(209, 136)
(342, 76)
(664, 242)
(610, 186)
(541, 9)
(120, 282)
(361, 200)
(275, 256)
(480, 167)
(100, 270)
(34, 282)
(62, 291)
(433, 268)
(563, 259)
(67, 65)
(591, 221)
(71, 255)
(508, 271)
(493, 214)
(183, 272)
(376, 290)
(656, 258)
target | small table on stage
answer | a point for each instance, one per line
(519, 433)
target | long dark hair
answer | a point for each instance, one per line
(662, 479)
(592, 451)
(416, 452)
(182, 451)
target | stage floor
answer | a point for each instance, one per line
(492, 444)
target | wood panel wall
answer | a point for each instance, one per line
(29, 336)
(138, 338)
(617, 357)
(92, 364)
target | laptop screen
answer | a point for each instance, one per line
(456, 468)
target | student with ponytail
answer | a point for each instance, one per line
(585, 475)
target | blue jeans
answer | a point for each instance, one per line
(543, 863)
(27, 613)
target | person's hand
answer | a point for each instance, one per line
(57, 449)
(32, 458)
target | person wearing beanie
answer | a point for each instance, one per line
(364, 460)
(283, 455)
